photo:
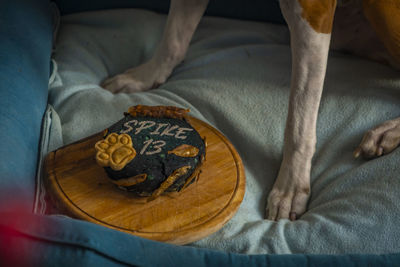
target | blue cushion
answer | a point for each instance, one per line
(25, 47)
(260, 10)
(61, 241)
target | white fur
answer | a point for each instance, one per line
(183, 18)
(291, 190)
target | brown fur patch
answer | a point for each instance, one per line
(319, 13)
(384, 17)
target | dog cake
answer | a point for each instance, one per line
(152, 150)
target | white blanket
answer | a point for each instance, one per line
(236, 76)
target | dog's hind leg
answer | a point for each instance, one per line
(384, 17)
(182, 21)
(310, 25)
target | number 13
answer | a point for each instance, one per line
(157, 145)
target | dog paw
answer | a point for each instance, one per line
(290, 193)
(115, 151)
(147, 76)
(379, 141)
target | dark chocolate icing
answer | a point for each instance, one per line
(153, 138)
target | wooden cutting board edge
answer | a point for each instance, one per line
(67, 207)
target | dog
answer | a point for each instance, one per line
(368, 28)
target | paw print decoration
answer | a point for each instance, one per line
(115, 151)
(152, 150)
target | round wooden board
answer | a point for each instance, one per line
(80, 188)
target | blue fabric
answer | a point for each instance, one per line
(61, 241)
(260, 10)
(25, 47)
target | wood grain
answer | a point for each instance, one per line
(78, 187)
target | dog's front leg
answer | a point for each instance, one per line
(182, 21)
(310, 25)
